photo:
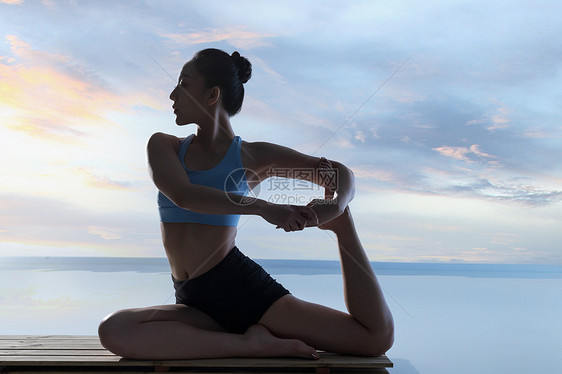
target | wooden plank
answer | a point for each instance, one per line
(17, 344)
(51, 341)
(326, 360)
(55, 352)
(35, 342)
(102, 360)
(189, 371)
(124, 370)
(47, 343)
(86, 353)
(48, 337)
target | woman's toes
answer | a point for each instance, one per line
(269, 345)
(301, 349)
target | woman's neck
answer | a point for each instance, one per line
(210, 135)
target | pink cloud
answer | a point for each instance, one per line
(239, 38)
(475, 148)
(460, 153)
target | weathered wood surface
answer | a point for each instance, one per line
(85, 354)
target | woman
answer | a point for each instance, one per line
(227, 305)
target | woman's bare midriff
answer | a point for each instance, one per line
(194, 248)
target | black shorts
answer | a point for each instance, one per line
(235, 293)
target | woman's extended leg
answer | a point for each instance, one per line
(368, 329)
(180, 332)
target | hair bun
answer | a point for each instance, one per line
(243, 65)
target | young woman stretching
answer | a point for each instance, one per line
(227, 305)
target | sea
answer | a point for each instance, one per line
(449, 317)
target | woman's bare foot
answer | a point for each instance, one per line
(268, 345)
(340, 222)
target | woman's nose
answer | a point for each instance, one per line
(173, 94)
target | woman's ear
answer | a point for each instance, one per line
(214, 95)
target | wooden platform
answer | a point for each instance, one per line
(84, 354)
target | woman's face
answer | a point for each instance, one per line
(189, 96)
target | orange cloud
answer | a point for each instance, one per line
(101, 181)
(38, 99)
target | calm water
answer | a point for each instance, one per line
(450, 318)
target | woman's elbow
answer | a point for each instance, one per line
(185, 201)
(191, 198)
(346, 181)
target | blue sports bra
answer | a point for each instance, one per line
(228, 175)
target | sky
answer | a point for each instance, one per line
(448, 114)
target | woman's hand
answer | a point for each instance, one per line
(317, 212)
(290, 217)
(325, 209)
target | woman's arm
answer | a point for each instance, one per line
(171, 179)
(345, 185)
(291, 163)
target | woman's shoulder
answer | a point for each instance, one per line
(260, 156)
(160, 139)
(256, 150)
(258, 147)
(270, 154)
(265, 149)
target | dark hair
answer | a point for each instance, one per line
(228, 72)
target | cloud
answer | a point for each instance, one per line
(458, 153)
(483, 183)
(48, 96)
(11, 2)
(24, 51)
(368, 171)
(258, 62)
(239, 38)
(493, 188)
(461, 153)
(98, 181)
(44, 102)
(54, 223)
(361, 136)
(107, 233)
(499, 119)
(535, 134)
(49, 3)
(475, 148)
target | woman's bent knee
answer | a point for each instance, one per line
(382, 341)
(113, 331)
(375, 342)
